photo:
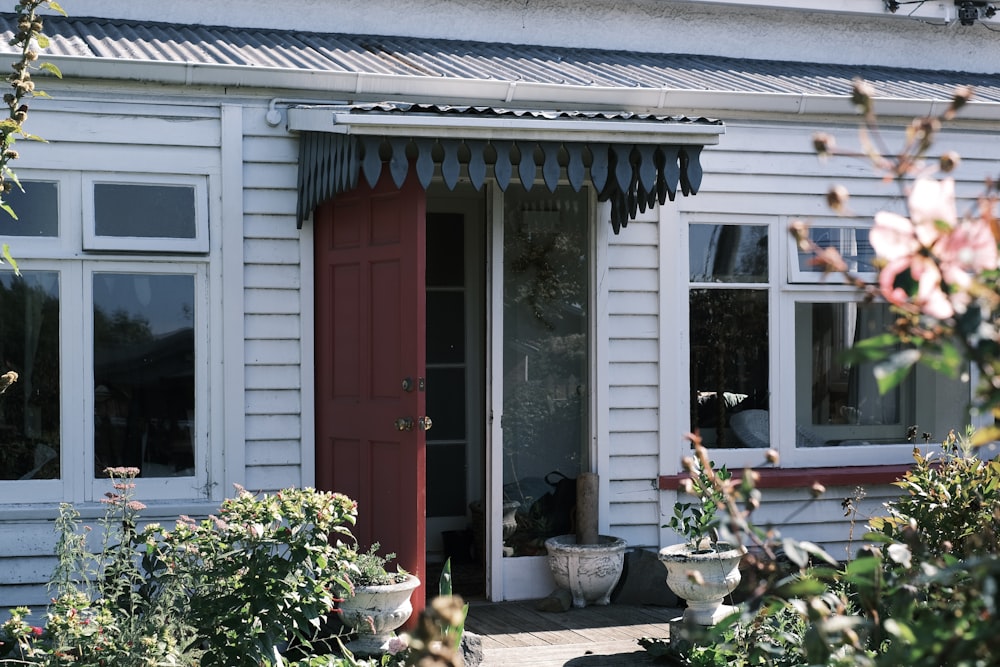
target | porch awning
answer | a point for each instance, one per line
(632, 160)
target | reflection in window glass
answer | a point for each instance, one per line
(148, 211)
(144, 373)
(29, 346)
(545, 358)
(728, 253)
(852, 244)
(729, 366)
(37, 210)
(840, 402)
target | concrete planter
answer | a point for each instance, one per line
(719, 576)
(375, 612)
(588, 571)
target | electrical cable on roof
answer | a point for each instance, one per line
(893, 5)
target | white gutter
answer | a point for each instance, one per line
(323, 119)
(278, 82)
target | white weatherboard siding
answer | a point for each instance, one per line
(633, 396)
(278, 439)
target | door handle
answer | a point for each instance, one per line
(407, 423)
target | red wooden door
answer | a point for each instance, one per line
(370, 337)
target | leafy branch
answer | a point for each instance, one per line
(27, 40)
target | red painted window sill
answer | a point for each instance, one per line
(792, 478)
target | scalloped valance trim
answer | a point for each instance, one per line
(632, 176)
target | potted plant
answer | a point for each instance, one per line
(378, 602)
(702, 570)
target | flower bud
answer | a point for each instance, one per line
(824, 144)
(862, 93)
(949, 161)
(836, 198)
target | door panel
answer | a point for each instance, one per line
(369, 337)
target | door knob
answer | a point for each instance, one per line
(407, 423)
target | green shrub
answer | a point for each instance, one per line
(950, 504)
(231, 590)
(262, 572)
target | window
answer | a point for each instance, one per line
(728, 324)
(766, 365)
(109, 347)
(132, 213)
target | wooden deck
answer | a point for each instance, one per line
(515, 634)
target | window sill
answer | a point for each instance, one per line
(793, 478)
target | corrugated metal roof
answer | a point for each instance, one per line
(441, 58)
(472, 111)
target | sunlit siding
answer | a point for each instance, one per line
(273, 302)
(633, 377)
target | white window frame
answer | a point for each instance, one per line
(93, 242)
(784, 293)
(70, 457)
(734, 458)
(153, 488)
(69, 207)
(79, 482)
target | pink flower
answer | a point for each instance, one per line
(37, 631)
(932, 208)
(940, 252)
(395, 645)
(892, 237)
(970, 247)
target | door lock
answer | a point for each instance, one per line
(404, 424)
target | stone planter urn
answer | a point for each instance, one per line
(375, 612)
(588, 571)
(720, 575)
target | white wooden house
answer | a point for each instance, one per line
(576, 252)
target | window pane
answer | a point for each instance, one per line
(839, 403)
(131, 209)
(37, 210)
(446, 471)
(545, 356)
(446, 256)
(852, 244)
(29, 346)
(445, 326)
(144, 373)
(729, 366)
(728, 253)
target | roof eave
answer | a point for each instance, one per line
(494, 92)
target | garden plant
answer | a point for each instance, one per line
(257, 584)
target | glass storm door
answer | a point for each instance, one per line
(546, 361)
